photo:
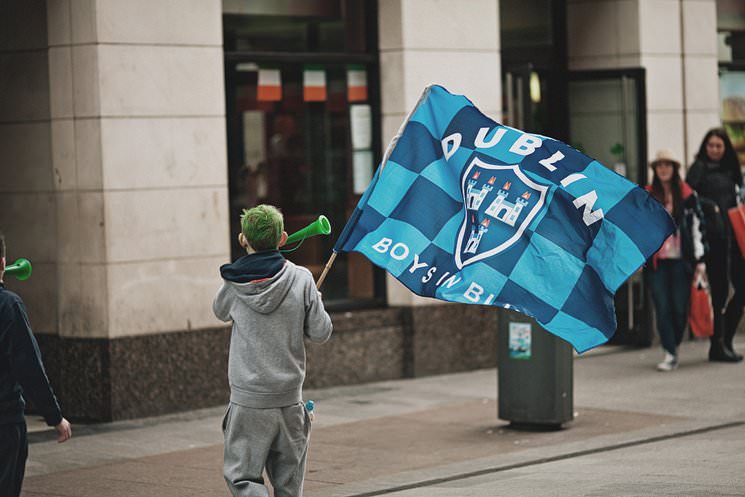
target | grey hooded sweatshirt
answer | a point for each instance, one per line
(271, 317)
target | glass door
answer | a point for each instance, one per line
(607, 122)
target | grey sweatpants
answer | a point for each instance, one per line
(275, 439)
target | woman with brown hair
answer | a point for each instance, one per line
(716, 177)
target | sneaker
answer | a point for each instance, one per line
(670, 363)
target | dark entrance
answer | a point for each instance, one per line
(607, 122)
(303, 124)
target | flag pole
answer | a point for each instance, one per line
(326, 270)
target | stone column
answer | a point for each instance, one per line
(145, 226)
(113, 122)
(700, 72)
(434, 41)
(456, 46)
(661, 56)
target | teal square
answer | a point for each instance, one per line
(547, 271)
(393, 184)
(614, 256)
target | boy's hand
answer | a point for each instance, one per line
(64, 431)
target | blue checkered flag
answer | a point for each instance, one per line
(467, 210)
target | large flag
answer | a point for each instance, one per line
(467, 210)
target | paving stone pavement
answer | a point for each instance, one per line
(636, 432)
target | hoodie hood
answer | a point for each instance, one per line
(263, 292)
(252, 267)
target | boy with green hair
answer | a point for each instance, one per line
(274, 305)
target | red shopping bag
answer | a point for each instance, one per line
(737, 218)
(701, 313)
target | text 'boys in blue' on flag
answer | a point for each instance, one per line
(466, 210)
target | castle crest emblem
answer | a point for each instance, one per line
(500, 202)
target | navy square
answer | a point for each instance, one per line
(367, 220)
(506, 260)
(573, 161)
(416, 148)
(526, 302)
(592, 303)
(626, 215)
(433, 256)
(426, 207)
(467, 122)
(564, 226)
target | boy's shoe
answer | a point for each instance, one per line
(670, 363)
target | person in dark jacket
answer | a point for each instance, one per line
(716, 177)
(21, 375)
(670, 274)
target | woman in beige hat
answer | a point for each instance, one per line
(671, 270)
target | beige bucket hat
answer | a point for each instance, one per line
(665, 155)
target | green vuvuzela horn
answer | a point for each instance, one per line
(21, 269)
(320, 226)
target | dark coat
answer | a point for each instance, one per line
(21, 371)
(717, 189)
(688, 227)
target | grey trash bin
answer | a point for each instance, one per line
(535, 374)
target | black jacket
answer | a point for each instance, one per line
(717, 189)
(21, 370)
(692, 220)
(691, 223)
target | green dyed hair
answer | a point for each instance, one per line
(262, 226)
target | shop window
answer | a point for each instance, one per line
(302, 122)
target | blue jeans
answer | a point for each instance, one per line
(670, 285)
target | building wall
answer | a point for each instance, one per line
(115, 181)
(28, 188)
(149, 194)
(115, 186)
(112, 139)
(114, 147)
(675, 42)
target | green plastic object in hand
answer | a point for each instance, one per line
(21, 269)
(320, 226)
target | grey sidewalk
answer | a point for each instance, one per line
(636, 432)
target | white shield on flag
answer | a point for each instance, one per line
(500, 201)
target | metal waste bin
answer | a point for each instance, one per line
(535, 381)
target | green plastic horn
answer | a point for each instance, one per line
(320, 226)
(21, 269)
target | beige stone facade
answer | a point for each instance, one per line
(114, 182)
(119, 124)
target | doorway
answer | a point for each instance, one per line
(607, 112)
(303, 121)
